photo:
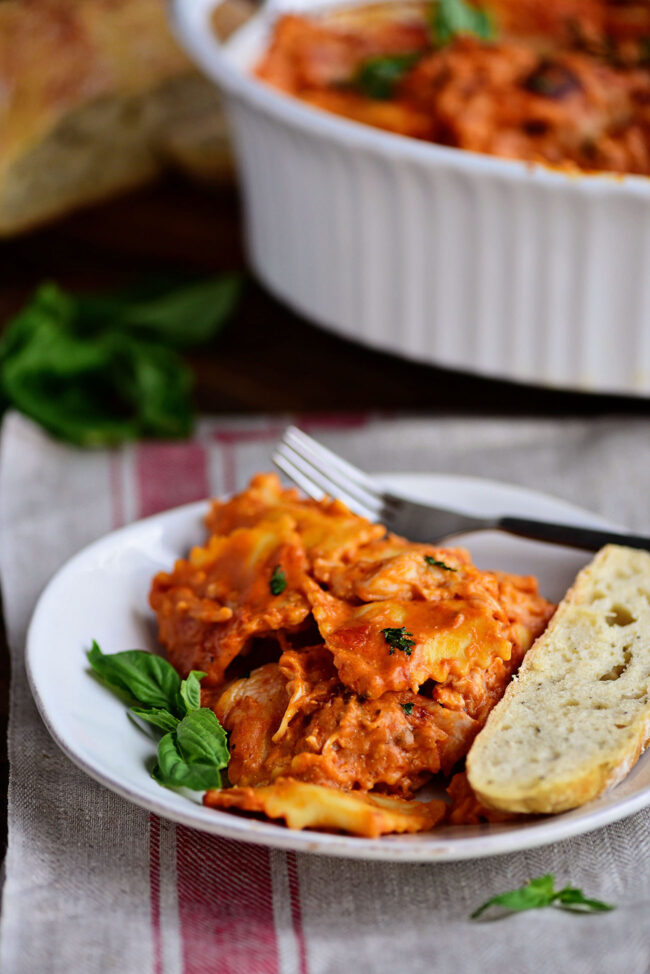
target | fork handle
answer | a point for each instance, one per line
(587, 538)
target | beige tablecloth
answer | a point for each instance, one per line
(94, 884)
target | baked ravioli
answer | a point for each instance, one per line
(561, 83)
(340, 657)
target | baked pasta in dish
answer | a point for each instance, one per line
(348, 666)
(560, 82)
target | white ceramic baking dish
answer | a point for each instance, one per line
(445, 256)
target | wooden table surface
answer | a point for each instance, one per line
(267, 359)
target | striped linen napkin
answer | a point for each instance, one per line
(95, 884)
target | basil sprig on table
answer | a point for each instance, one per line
(541, 892)
(193, 750)
(449, 18)
(97, 370)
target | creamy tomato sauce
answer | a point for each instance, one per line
(559, 82)
(340, 656)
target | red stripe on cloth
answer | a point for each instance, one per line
(243, 435)
(229, 439)
(296, 911)
(313, 421)
(116, 467)
(225, 897)
(169, 474)
(154, 890)
(225, 906)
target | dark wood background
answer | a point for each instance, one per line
(267, 359)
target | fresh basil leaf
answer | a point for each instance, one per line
(574, 901)
(194, 755)
(62, 384)
(541, 892)
(194, 748)
(398, 639)
(98, 311)
(434, 563)
(100, 370)
(278, 581)
(176, 309)
(156, 385)
(536, 893)
(191, 690)
(158, 717)
(378, 77)
(174, 771)
(97, 391)
(453, 17)
(202, 740)
(186, 316)
(148, 678)
(49, 304)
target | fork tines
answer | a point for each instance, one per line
(318, 471)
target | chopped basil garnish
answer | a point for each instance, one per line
(379, 76)
(407, 708)
(453, 17)
(399, 639)
(430, 560)
(278, 581)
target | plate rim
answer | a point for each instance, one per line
(430, 847)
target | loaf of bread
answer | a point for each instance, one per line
(96, 97)
(577, 718)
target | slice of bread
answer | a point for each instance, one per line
(577, 717)
(96, 97)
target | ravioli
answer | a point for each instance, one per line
(348, 666)
(328, 530)
(213, 604)
(295, 718)
(306, 806)
(562, 83)
(399, 645)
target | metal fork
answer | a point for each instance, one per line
(318, 471)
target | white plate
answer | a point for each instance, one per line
(101, 594)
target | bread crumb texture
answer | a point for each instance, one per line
(96, 97)
(578, 717)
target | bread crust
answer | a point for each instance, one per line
(92, 89)
(524, 760)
